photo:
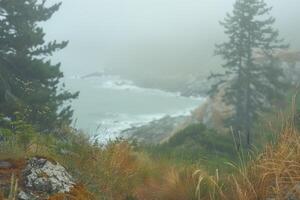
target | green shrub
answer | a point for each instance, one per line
(15, 134)
(199, 145)
(199, 135)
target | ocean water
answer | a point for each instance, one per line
(107, 105)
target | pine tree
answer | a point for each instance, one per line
(251, 84)
(30, 83)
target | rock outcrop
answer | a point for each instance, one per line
(45, 178)
(156, 131)
(35, 179)
(213, 112)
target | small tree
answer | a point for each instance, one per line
(251, 82)
(30, 83)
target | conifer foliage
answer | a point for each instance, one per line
(29, 82)
(253, 77)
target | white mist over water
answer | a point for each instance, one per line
(108, 105)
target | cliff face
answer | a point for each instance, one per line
(211, 113)
(156, 131)
(196, 85)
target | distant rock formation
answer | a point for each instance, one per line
(195, 86)
(156, 131)
(93, 75)
(290, 60)
(284, 55)
(213, 112)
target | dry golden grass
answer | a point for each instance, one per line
(273, 174)
(172, 185)
(79, 192)
(118, 172)
(111, 173)
(183, 183)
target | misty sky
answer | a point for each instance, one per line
(150, 36)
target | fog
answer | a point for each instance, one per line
(135, 116)
(150, 38)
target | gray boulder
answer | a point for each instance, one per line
(45, 177)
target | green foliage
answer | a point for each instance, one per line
(267, 127)
(294, 103)
(197, 144)
(251, 83)
(297, 119)
(18, 138)
(29, 82)
(199, 134)
(15, 135)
